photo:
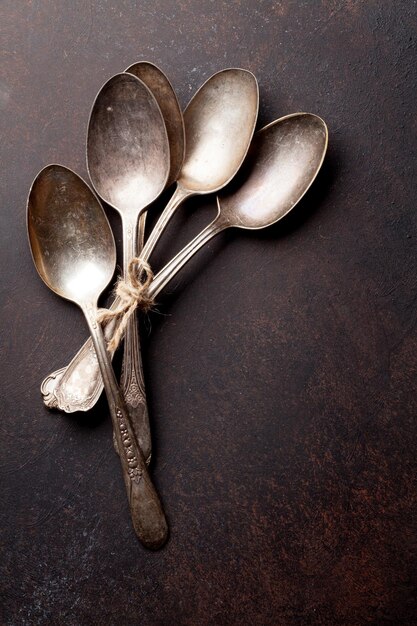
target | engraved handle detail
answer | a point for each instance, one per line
(147, 515)
(132, 383)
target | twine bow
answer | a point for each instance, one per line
(132, 292)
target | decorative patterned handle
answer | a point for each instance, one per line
(147, 514)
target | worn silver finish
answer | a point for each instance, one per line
(283, 161)
(74, 252)
(69, 388)
(128, 162)
(219, 123)
(165, 96)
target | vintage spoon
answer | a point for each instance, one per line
(74, 252)
(283, 161)
(128, 162)
(219, 124)
(61, 388)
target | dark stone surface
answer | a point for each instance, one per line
(281, 370)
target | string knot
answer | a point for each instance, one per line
(132, 292)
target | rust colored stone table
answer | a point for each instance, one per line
(281, 365)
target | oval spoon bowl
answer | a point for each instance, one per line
(70, 237)
(219, 124)
(283, 161)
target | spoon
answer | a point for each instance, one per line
(128, 163)
(61, 388)
(74, 252)
(219, 125)
(283, 161)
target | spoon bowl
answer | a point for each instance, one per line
(219, 124)
(127, 145)
(282, 163)
(71, 240)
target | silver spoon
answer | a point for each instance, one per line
(61, 388)
(128, 163)
(74, 252)
(219, 124)
(283, 161)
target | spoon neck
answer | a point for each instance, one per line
(177, 198)
(172, 268)
(109, 380)
(129, 226)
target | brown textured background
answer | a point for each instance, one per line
(281, 369)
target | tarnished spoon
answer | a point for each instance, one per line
(63, 388)
(283, 161)
(219, 124)
(128, 163)
(74, 252)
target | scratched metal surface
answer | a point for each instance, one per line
(281, 368)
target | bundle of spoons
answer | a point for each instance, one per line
(137, 142)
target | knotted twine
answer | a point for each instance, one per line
(133, 294)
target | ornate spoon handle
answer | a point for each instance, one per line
(147, 515)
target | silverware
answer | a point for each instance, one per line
(219, 124)
(282, 163)
(128, 162)
(61, 389)
(74, 252)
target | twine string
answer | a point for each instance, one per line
(133, 294)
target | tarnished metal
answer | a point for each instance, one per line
(69, 388)
(128, 162)
(219, 123)
(283, 161)
(74, 252)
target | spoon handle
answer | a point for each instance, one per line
(147, 515)
(176, 199)
(78, 386)
(132, 382)
(173, 267)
